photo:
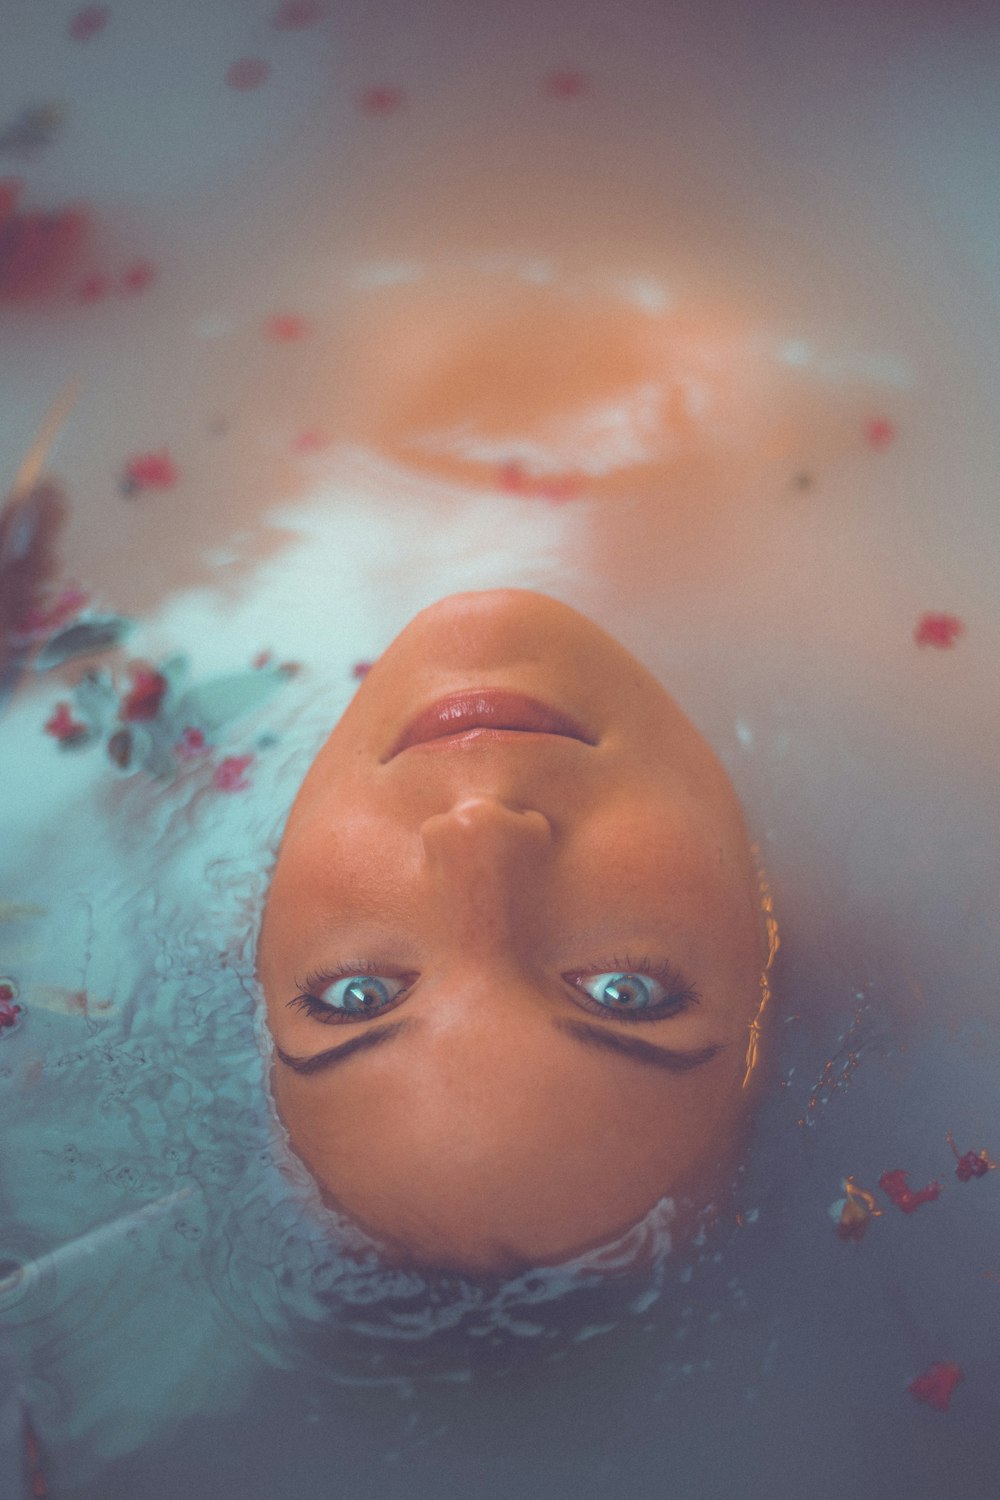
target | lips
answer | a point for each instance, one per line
(487, 708)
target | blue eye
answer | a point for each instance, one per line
(359, 995)
(628, 989)
(641, 991)
(624, 992)
(350, 995)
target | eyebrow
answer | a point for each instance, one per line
(669, 1059)
(361, 1043)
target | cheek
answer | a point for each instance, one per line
(703, 888)
(305, 889)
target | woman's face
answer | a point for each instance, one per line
(548, 948)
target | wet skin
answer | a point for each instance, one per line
(552, 950)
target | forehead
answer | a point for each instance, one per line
(512, 1127)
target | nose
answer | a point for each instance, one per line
(485, 857)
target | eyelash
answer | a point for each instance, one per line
(313, 1006)
(680, 995)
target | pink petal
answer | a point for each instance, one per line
(285, 328)
(93, 288)
(138, 276)
(88, 22)
(381, 101)
(880, 432)
(152, 471)
(565, 84)
(295, 14)
(936, 1384)
(938, 630)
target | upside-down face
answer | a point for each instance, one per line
(510, 969)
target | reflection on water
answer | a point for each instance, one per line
(646, 311)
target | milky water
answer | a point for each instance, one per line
(683, 314)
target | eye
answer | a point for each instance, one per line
(628, 989)
(353, 993)
(637, 990)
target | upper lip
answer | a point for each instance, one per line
(487, 708)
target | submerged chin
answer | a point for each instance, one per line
(485, 1234)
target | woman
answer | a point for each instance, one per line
(514, 954)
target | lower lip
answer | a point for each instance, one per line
(484, 715)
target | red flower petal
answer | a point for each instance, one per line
(938, 630)
(285, 328)
(151, 471)
(381, 101)
(62, 726)
(144, 699)
(936, 1384)
(880, 432)
(310, 441)
(896, 1188)
(229, 776)
(191, 744)
(295, 14)
(8, 1014)
(88, 22)
(565, 84)
(92, 288)
(512, 477)
(138, 276)
(554, 487)
(970, 1163)
(37, 250)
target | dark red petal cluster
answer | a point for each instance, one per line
(554, 487)
(936, 1384)
(62, 725)
(229, 775)
(37, 249)
(88, 22)
(972, 1164)
(151, 471)
(138, 276)
(295, 14)
(565, 84)
(381, 101)
(191, 744)
(146, 694)
(938, 630)
(880, 432)
(896, 1188)
(285, 328)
